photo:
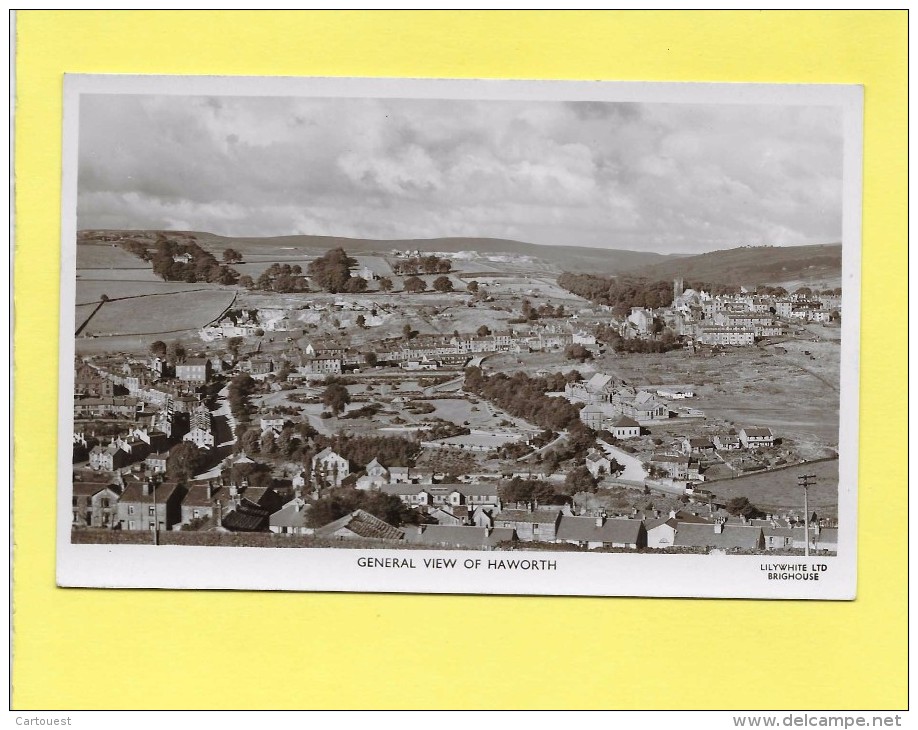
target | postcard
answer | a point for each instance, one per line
(460, 336)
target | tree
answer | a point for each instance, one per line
(429, 264)
(104, 298)
(385, 284)
(336, 397)
(232, 345)
(742, 507)
(370, 359)
(268, 445)
(407, 332)
(414, 285)
(355, 285)
(577, 352)
(184, 461)
(472, 287)
(443, 284)
(332, 271)
(176, 351)
(483, 331)
(580, 480)
(158, 348)
(231, 256)
(250, 442)
(361, 321)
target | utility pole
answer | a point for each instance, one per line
(806, 481)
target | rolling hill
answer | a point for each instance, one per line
(776, 265)
(559, 258)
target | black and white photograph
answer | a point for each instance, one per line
(547, 337)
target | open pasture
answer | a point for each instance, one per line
(776, 491)
(92, 290)
(171, 313)
(106, 256)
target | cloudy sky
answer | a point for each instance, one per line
(654, 177)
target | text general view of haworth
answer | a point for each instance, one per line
(514, 325)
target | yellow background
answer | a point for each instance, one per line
(171, 649)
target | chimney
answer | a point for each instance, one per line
(600, 521)
(148, 487)
(672, 513)
(210, 490)
(656, 514)
(718, 527)
(218, 514)
(233, 490)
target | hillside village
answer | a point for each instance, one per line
(453, 400)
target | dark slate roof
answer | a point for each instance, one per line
(246, 518)
(400, 489)
(758, 432)
(701, 535)
(364, 524)
(661, 521)
(88, 489)
(133, 492)
(625, 422)
(543, 517)
(290, 516)
(459, 535)
(585, 529)
(197, 496)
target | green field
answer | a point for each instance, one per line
(778, 490)
(165, 314)
(92, 290)
(106, 256)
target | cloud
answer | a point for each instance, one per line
(662, 177)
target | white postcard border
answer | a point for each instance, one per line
(602, 574)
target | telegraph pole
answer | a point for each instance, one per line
(806, 481)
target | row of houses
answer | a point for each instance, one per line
(466, 516)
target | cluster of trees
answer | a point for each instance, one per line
(240, 388)
(666, 341)
(431, 264)
(525, 491)
(138, 248)
(341, 502)
(361, 450)
(294, 441)
(545, 311)
(332, 272)
(203, 265)
(415, 284)
(525, 397)
(619, 293)
(281, 278)
(173, 352)
(580, 440)
(441, 429)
